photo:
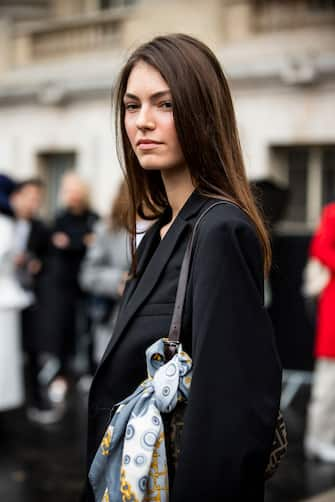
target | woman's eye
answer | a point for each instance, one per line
(131, 106)
(166, 104)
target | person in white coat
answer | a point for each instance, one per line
(12, 300)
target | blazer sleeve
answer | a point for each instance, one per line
(236, 384)
(323, 243)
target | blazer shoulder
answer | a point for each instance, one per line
(228, 227)
(226, 216)
(227, 241)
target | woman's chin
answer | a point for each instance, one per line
(150, 166)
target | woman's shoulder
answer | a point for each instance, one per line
(227, 233)
(229, 230)
(225, 215)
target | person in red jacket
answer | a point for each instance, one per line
(320, 431)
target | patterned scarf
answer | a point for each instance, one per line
(130, 464)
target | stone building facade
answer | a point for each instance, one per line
(59, 59)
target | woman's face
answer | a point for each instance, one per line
(149, 120)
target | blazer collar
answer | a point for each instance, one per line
(150, 269)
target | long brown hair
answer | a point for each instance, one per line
(206, 128)
(118, 213)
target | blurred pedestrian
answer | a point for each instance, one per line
(31, 250)
(12, 300)
(182, 155)
(63, 314)
(32, 235)
(104, 271)
(320, 428)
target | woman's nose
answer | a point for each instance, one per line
(145, 119)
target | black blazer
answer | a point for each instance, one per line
(236, 386)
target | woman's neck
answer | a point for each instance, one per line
(179, 186)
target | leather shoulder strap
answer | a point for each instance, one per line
(175, 327)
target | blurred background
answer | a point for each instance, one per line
(58, 62)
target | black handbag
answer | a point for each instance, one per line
(174, 422)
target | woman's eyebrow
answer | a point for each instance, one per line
(156, 95)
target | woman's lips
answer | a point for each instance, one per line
(148, 146)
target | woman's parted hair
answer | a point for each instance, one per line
(206, 128)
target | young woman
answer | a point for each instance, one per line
(181, 154)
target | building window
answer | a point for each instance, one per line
(297, 163)
(109, 4)
(270, 15)
(320, 5)
(309, 173)
(328, 178)
(316, 5)
(52, 167)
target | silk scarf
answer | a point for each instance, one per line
(130, 464)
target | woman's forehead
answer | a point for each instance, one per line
(145, 79)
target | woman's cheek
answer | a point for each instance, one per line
(170, 126)
(131, 132)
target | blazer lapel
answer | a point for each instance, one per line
(150, 275)
(144, 251)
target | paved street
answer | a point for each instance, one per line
(46, 463)
(42, 463)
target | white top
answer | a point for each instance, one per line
(21, 234)
(12, 296)
(141, 227)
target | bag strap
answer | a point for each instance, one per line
(171, 343)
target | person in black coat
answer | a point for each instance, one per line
(181, 149)
(71, 234)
